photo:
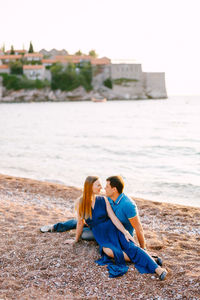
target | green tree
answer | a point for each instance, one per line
(31, 48)
(3, 48)
(72, 76)
(93, 53)
(85, 75)
(12, 51)
(16, 67)
(79, 53)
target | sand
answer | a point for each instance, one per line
(36, 265)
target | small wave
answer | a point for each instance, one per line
(54, 181)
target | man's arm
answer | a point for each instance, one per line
(135, 222)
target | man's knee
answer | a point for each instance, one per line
(87, 235)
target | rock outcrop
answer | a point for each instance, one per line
(152, 86)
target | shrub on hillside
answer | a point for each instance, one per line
(13, 82)
(108, 83)
(72, 76)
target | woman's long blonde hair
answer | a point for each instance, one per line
(85, 203)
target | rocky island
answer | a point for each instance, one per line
(57, 76)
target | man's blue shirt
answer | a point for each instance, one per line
(125, 209)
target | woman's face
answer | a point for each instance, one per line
(97, 186)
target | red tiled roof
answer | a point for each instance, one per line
(100, 61)
(12, 56)
(33, 55)
(77, 58)
(4, 67)
(33, 67)
(72, 58)
(49, 61)
(19, 51)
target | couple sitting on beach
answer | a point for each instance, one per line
(111, 221)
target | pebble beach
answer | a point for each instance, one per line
(42, 266)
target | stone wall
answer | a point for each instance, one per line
(131, 71)
(1, 88)
(154, 85)
(104, 73)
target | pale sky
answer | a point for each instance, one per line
(163, 35)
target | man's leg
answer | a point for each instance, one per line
(65, 226)
(68, 225)
(60, 227)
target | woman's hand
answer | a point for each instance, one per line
(128, 236)
(70, 242)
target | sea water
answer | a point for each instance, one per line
(153, 144)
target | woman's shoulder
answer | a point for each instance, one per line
(100, 198)
(77, 201)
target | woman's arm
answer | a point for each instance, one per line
(79, 230)
(117, 222)
(79, 227)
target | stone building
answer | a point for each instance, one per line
(34, 71)
(4, 69)
(33, 57)
(129, 71)
(130, 82)
(9, 58)
(154, 84)
(53, 52)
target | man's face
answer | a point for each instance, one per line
(109, 190)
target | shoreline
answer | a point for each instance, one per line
(42, 266)
(60, 185)
(78, 94)
(78, 100)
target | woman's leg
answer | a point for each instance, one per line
(110, 253)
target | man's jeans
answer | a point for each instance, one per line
(71, 224)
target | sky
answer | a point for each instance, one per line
(162, 35)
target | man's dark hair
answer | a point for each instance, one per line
(116, 181)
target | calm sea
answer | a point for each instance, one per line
(153, 144)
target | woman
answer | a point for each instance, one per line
(114, 241)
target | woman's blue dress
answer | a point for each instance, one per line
(107, 235)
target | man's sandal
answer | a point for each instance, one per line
(163, 275)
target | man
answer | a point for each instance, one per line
(124, 208)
